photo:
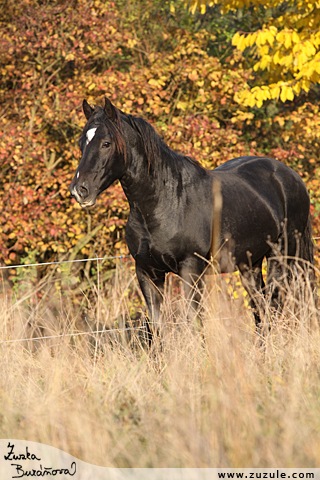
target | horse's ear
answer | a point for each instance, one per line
(110, 110)
(87, 109)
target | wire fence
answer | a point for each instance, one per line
(142, 327)
(96, 258)
(77, 333)
(64, 261)
(77, 260)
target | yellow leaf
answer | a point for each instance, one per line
(235, 39)
(203, 8)
(251, 101)
(260, 38)
(287, 40)
(290, 95)
(305, 84)
(259, 99)
(280, 120)
(276, 57)
(317, 66)
(154, 82)
(242, 43)
(309, 49)
(182, 105)
(265, 62)
(283, 95)
(287, 61)
(131, 42)
(252, 38)
(270, 37)
(275, 92)
(70, 57)
(295, 37)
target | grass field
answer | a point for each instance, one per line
(215, 395)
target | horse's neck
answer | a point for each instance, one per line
(140, 183)
(145, 186)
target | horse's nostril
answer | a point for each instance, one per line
(82, 191)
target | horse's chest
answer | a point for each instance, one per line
(151, 251)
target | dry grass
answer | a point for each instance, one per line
(215, 396)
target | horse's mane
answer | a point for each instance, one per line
(152, 142)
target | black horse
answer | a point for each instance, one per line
(172, 205)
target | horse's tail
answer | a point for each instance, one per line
(306, 252)
(306, 243)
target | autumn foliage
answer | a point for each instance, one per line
(282, 42)
(151, 60)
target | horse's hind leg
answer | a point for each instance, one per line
(252, 281)
(306, 253)
(280, 269)
(291, 258)
(278, 280)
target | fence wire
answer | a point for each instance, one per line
(78, 333)
(73, 334)
(64, 261)
(69, 334)
(78, 260)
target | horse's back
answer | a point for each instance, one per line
(270, 179)
(261, 198)
(251, 167)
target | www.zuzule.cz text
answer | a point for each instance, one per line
(278, 474)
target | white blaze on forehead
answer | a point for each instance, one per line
(90, 134)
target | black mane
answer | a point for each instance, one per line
(152, 142)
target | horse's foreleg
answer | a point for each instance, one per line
(152, 290)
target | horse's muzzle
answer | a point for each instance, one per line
(80, 192)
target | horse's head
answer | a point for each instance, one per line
(103, 153)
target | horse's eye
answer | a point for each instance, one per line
(106, 144)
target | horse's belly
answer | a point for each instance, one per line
(247, 228)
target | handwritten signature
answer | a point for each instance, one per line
(20, 471)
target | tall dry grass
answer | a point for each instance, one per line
(210, 396)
